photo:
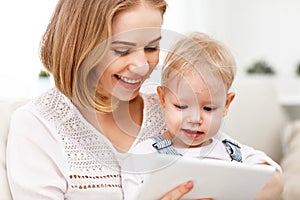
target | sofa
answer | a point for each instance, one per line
(7, 106)
(255, 118)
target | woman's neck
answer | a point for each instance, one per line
(121, 126)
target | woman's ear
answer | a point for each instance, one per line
(229, 99)
(160, 93)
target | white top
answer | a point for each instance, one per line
(133, 175)
(54, 153)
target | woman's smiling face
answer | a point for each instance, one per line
(133, 53)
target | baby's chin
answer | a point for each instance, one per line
(199, 143)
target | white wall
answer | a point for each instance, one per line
(22, 25)
(253, 29)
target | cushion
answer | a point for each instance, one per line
(7, 106)
(255, 117)
(291, 160)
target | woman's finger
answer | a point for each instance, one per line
(179, 191)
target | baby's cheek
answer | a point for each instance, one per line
(215, 122)
(176, 123)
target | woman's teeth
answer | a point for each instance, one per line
(130, 81)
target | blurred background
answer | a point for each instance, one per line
(256, 30)
(22, 25)
(262, 34)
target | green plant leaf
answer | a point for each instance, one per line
(44, 74)
(260, 67)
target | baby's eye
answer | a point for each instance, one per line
(151, 48)
(122, 52)
(181, 107)
(208, 108)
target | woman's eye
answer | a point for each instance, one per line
(181, 107)
(122, 52)
(151, 48)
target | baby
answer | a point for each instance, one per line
(195, 96)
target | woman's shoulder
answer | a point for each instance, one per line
(31, 105)
(153, 116)
(150, 98)
(148, 92)
(152, 105)
(51, 99)
(152, 108)
(39, 110)
(51, 105)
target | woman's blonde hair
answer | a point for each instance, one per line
(76, 29)
(201, 52)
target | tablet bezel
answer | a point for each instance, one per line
(212, 178)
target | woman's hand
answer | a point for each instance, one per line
(180, 191)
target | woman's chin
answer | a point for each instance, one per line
(126, 96)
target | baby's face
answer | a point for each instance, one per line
(194, 108)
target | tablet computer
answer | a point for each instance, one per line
(212, 178)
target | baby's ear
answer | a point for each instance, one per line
(160, 93)
(229, 99)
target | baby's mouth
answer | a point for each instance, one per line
(193, 131)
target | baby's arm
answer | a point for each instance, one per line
(273, 189)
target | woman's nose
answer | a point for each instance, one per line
(139, 64)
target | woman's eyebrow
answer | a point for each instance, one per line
(134, 44)
(124, 42)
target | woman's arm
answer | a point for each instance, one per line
(32, 155)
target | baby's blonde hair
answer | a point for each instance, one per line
(198, 51)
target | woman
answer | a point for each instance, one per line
(67, 143)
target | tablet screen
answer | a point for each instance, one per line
(212, 178)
